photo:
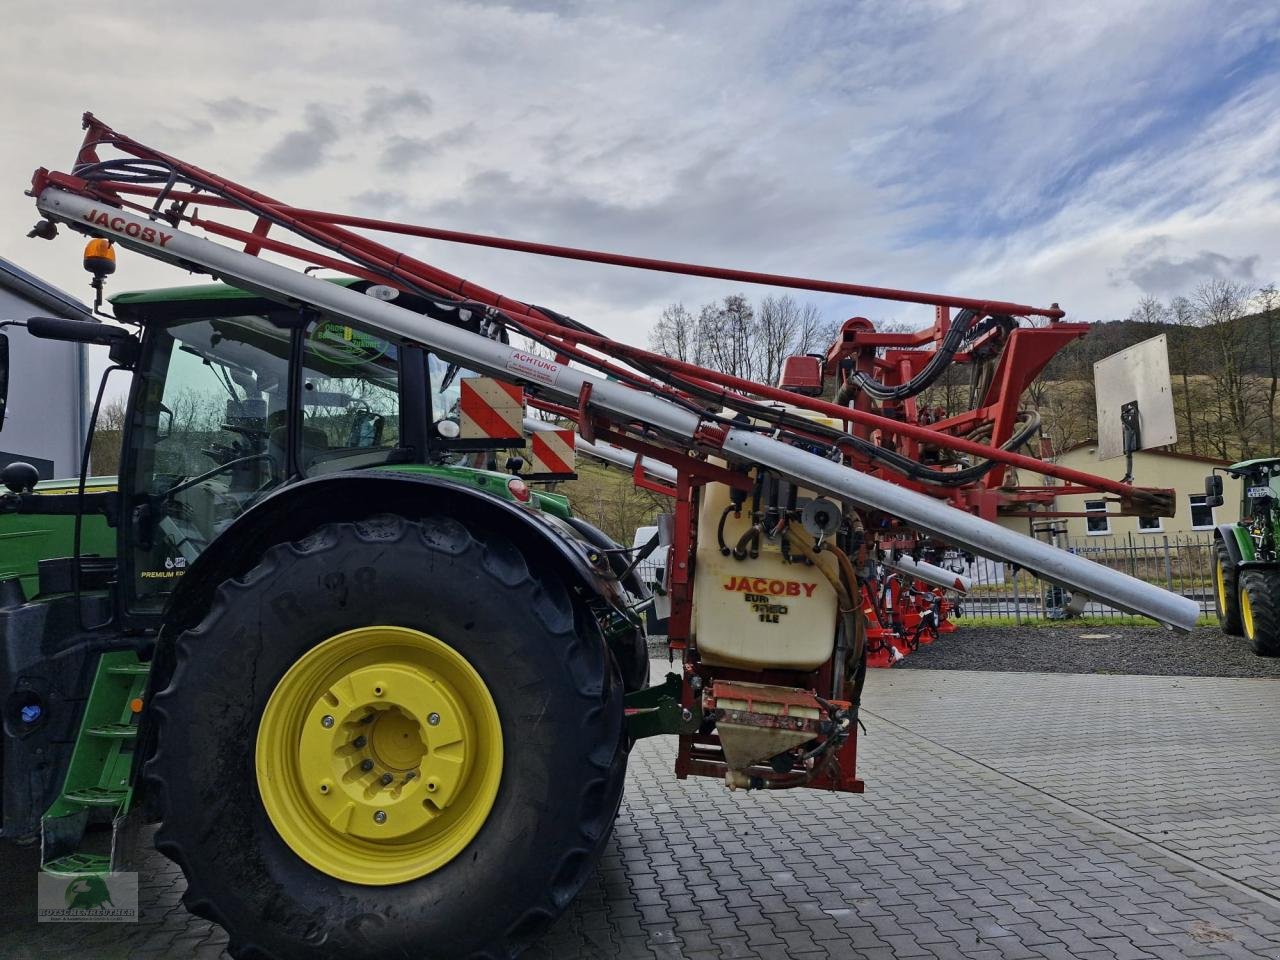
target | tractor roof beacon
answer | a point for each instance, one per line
(1247, 555)
(356, 671)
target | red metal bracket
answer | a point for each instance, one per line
(586, 429)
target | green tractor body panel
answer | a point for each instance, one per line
(1238, 537)
(491, 482)
(26, 539)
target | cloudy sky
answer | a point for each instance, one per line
(1088, 153)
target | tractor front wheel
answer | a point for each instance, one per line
(1226, 590)
(1260, 610)
(391, 739)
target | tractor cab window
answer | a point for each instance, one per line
(445, 380)
(215, 430)
(350, 399)
(210, 405)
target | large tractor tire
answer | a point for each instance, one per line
(390, 739)
(1226, 592)
(1260, 610)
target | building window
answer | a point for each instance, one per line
(1150, 525)
(1098, 524)
(1201, 513)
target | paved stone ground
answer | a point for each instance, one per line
(1007, 816)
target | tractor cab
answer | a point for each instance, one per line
(235, 396)
(1259, 492)
(1247, 554)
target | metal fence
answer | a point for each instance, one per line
(1182, 563)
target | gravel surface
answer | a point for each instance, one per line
(1150, 651)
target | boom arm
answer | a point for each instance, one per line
(645, 414)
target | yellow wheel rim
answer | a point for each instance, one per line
(1246, 613)
(1221, 579)
(379, 755)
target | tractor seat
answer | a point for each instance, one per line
(315, 443)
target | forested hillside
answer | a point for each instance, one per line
(1224, 357)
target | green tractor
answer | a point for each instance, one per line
(1247, 555)
(370, 690)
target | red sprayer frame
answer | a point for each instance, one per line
(1013, 353)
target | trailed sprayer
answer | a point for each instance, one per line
(379, 698)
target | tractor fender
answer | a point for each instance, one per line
(1239, 543)
(295, 510)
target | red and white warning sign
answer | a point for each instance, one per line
(551, 453)
(491, 409)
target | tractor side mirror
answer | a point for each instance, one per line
(123, 345)
(4, 375)
(19, 477)
(1213, 490)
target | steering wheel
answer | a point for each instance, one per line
(210, 474)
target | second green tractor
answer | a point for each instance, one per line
(1247, 555)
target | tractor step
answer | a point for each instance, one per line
(97, 796)
(75, 864)
(130, 669)
(99, 775)
(119, 731)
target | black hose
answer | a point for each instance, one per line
(724, 515)
(941, 359)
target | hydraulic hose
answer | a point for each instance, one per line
(941, 359)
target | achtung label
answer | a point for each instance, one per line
(532, 367)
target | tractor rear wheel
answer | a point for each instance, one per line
(1260, 610)
(1226, 590)
(392, 738)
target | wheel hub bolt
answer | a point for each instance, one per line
(326, 721)
(360, 742)
(409, 776)
(380, 817)
(434, 719)
(366, 765)
(386, 779)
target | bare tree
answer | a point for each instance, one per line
(737, 338)
(1150, 311)
(104, 454)
(1267, 301)
(728, 329)
(1220, 305)
(1182, 313)
(785, 328)
(677, 334)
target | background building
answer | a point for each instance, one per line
(48, 381)
(1151, 468)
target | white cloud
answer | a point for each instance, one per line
(1015, 151)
